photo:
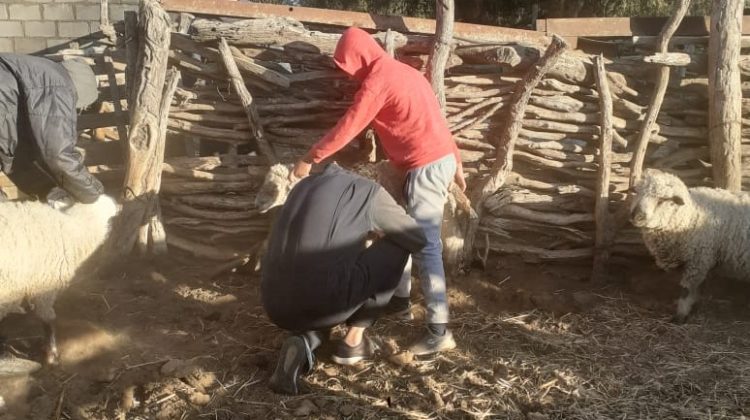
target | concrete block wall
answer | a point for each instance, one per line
(30, 26)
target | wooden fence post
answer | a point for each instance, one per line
(601, 212)
(503, 165)
(657, 97)
(725, 93)
(139, 220)
(441, 49)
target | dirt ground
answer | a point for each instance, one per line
(536, 342)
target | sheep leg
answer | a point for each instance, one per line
(45, 311)
(692, 278)
(52, 357)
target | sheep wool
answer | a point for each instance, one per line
(698, 229)
(44, 250)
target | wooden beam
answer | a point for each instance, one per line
(441, 49)
(648, 125)
(264, 148)
(145, 144)
(503, 166)
(344, 18)
(725, 94)
(636, 26)
(601, 209)
(109, 119)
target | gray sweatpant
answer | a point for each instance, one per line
(426, 192)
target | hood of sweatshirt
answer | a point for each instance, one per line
(355, 53)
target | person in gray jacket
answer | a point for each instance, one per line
(318, 273)
(38, 103)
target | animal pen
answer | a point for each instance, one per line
(550, 141)
(199, 97)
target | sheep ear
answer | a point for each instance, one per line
(678, 200)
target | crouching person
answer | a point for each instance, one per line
(318, 273)
(38, 103)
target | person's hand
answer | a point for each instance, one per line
(59, 199)
(376, 234)
(459, 179)
(301, 170)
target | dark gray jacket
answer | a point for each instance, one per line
(38, 122)
(319, 236)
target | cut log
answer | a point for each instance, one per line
(668, 59)
(208, 176)
(558, 219)
(217, 134)
(208, 163)
(220, 201)
(210, 214)
(562, 104)
(181, 187)
(533, 254)
(246, 65)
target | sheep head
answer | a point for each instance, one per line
(658, 197)
(276, 187)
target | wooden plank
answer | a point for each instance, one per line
(344, 18)
(114, 91)
(636, 26)
(110, 119)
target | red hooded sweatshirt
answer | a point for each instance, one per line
(398, 101)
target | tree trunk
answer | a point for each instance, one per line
(147, 132)
(725, 94)
(441, 50)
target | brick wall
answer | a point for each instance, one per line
(29, 26)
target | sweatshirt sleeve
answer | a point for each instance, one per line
(398, 227)
(367, 104)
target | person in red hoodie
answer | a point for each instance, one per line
(399, 103)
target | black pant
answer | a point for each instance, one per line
(361, 290)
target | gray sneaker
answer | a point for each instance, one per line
(431, 343)
(345, 355)
(295, 359)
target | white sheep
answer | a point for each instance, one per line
(276, 187)
(43, 251)
(698, 229)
